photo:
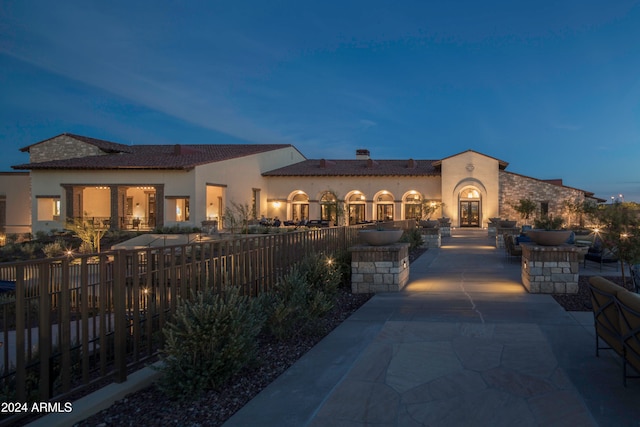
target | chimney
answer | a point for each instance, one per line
(177, 149)
(324, 163)
(412, 164)
(362, 154)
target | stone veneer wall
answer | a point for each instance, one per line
(431, 237)
(550, 269)
(379, 268)
(62, 147)
(514, 187)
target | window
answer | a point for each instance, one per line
(357, 207)
(300, 207)
(544, 208)
(129, 206)
(255, 202)
(328, 207)
(385, 207)
(413, 206)
(178, 207)
(48, 208)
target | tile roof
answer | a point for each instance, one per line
(153, 156)
(358, 167)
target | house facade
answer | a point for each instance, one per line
(151, 186)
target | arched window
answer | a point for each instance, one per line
(356, 206)
(329, 207)
(413, 206)
(384, 203)
(300, 207)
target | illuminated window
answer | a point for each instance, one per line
(328, 207)
(178, 209)
(413, 206)
(48, 208)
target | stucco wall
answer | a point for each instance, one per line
(470, 169)
(282, 188)
(515, 187)
(15, 188)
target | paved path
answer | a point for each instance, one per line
(462, 345)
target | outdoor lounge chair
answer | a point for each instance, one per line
(616, 315)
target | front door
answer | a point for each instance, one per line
(470, 214)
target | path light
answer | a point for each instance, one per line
(329, 261)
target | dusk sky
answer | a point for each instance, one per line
(551, 87)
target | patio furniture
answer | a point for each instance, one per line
(601, 256)
(629, 307)
(513, 250)
(616, 314)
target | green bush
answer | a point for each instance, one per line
(209, 339)
(322, 272)
(413, 237)
(295, 306)
(55, 249)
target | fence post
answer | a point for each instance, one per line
(120, 312)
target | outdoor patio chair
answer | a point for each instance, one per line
(512, 249)
(605, 313)
(600, 255)
(629, 308)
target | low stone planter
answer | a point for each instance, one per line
(379, 237)
(549, 237)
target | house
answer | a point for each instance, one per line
(145, 186)
(148, 186)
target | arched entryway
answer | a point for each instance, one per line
(469, 207)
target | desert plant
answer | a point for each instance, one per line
(209, 339)
(322, 273)
(413, 237)
(55, 249)
(295, 307)
(429, 207)
(236, 217)
(549, 222)
(88, 233)
(619, 228)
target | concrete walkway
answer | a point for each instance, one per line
(462, 345)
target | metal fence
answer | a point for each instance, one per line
(74, 322)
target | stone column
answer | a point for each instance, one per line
(550, 269)
(379, 268)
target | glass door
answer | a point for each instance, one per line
(470, 214)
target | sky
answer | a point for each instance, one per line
(551, 87)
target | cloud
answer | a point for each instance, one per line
(366, 124)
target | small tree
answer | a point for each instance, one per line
(429, 207)
(236, 217)
(525, 207)
(88, 233)
(621, 232)
(578, 209)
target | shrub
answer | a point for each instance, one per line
(209, 339)
(413, 237)
(295, 306)
(322, 272)
(55, 249)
